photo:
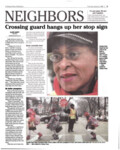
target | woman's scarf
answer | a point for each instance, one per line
(59, 91)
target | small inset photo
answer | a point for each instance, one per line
(66, 120)
(72, 63)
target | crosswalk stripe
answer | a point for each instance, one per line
(60, 136)
(100, 139)
(33, 139)
(78, 138)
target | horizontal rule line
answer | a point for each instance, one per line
(56, 22)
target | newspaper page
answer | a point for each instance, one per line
(57, 76)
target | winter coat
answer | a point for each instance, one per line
(54, 122)
(68, 112)
(90, 123)
(59, 91)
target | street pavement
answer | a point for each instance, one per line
(80, 134)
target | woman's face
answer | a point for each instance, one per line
(75, 75)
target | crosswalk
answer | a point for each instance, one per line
(56, 141)
(100, 139)
(76, 138)
(33, 139)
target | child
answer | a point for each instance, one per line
(32, 122)
(53, 124)
(91, 124)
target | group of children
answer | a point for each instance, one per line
(54, 123)
(34, 120)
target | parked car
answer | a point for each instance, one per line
(63, 117)
(102, 118)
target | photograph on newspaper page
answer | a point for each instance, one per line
(58, 61)
(73, 63)
(66, 120)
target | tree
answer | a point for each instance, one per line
(93, 104)
(82, 107)
(105, 105)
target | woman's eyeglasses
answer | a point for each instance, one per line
(57, 57)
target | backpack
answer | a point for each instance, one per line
(94, 121)
(37, 120)
(58, 129)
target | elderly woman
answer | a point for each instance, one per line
(74, 57)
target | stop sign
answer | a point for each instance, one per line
(63, 102)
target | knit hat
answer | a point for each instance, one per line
(53, 110)
(84, 38)
(86, 114)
